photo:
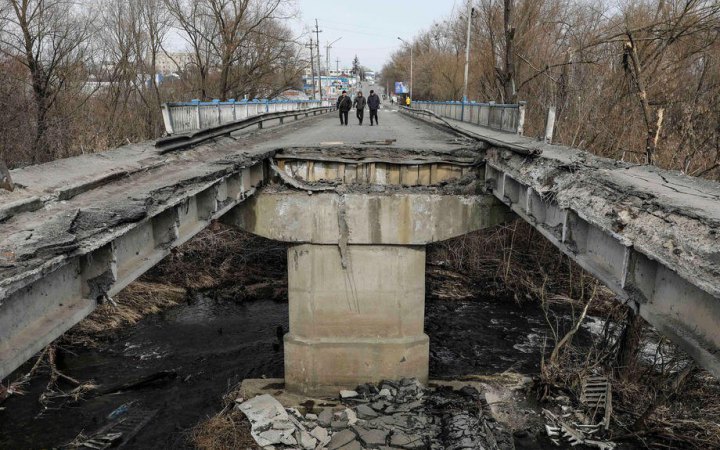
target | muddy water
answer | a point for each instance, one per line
(197, 351)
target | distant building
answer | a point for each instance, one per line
(332, 86)
(167, 63)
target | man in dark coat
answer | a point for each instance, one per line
(344, 105)
(359, 103)
(373, 102)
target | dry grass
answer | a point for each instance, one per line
(220, 256)
(227, 430)
(136, 301)
(224, 431)
(514, 260)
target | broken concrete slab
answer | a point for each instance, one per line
(321, 434)
(371, 437)
(265, 414)
(341, 439)
(348, 394)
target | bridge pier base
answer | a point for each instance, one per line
(356, 315)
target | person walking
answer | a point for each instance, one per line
(373, 102)
(344, 105)
(360, 103)
(407, 101)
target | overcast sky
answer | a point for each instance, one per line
(369, 28)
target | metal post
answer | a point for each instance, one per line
(550, 124)
(411, 74)
(467, 59)
(521, 118)
(167, 118)
(197, 110)
(327, 54)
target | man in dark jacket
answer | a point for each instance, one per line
(359, 103)
(373, 102)
(344, 105)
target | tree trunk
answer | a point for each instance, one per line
(509, 72)
(629, 343)
(40, 96)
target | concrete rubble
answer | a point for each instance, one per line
(390, 415)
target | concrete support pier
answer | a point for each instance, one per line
(356, 278)
(356, 317)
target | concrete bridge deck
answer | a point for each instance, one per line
(79, 230)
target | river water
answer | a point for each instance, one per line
(195, 352)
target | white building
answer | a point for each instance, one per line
(167, 63)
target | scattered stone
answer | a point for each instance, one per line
(400, 439)
(325, 417)
(366, 390)
(275, 437)
(348, 416)
(399, 415)
(365, 412)
(354, 445)
(340, 439)
(379, 405)
(371, 437)
(321, 434)
(348, 394)
(305, 440)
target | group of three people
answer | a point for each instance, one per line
(344, 105)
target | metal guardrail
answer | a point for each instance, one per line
(187, 140)
(431, 117)
(498, 116)
(184, 117)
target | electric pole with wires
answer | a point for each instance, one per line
(312, 67)
(317, 34)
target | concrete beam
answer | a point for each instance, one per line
(676, 306)
(36, 310)
(366, 218)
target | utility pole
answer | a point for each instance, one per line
(312, 67)
(327, 54)
(467, 58)
(317, 34)
(337, 65)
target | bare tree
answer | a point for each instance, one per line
(49, 38)
(198, 28)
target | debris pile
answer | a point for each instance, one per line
(583, 426)
(391, 415)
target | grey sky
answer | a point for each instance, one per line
(369, 28)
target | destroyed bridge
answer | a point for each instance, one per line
(359, 205)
